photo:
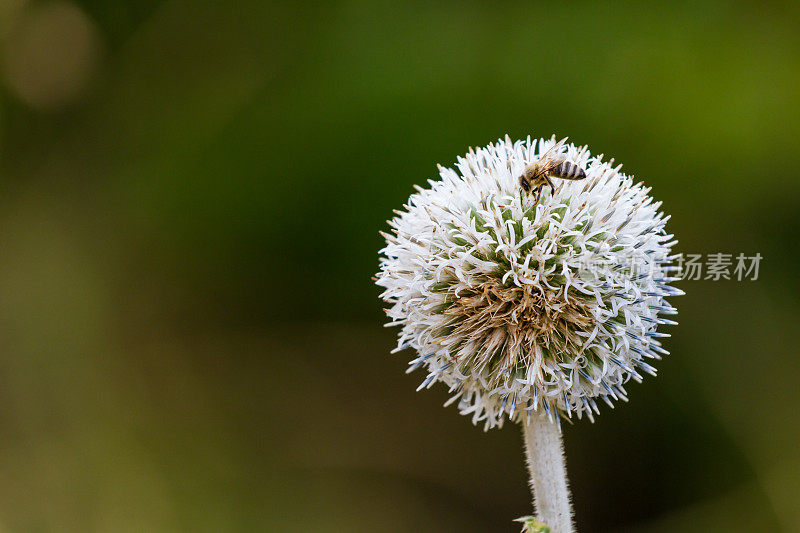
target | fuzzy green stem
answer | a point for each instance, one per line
(545, 454)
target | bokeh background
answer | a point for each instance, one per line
(190, 198)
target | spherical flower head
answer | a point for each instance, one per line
(521, 304)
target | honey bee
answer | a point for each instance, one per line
(551, 164)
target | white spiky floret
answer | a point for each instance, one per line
(518, 305)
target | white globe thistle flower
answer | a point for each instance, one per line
(519, 305)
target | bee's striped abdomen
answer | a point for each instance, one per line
(569, 171)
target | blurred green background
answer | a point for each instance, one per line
(190, 195)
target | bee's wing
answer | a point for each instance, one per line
(552, 162)
(555, 148)
(551, 158)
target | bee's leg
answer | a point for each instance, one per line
(536, 193)
(550, 183)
